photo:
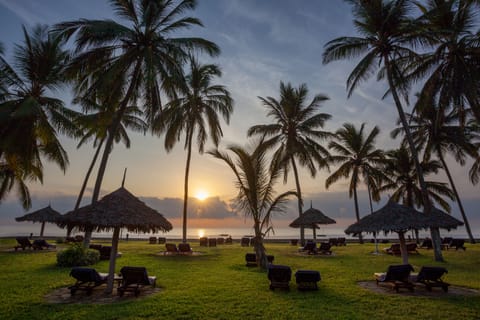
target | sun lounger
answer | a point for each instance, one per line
(310, 247)
(134, 278)
(431, 277)
(87, 279)
(251, 259)
(171, 248)
(397, 276)
(412, 248)
(41, 244)
(245, 242)
(394, 249)
(203, 242)
(212, 242)
(152, 240)
(307, 279)
(184, 248)
(162, 240)
(457, 244)
(23, 243)
(426, 244)
(279, 276)
(325, 248)
(341, 241)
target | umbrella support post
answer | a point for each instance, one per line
(113, 257)
(42, 229)
(376, 252)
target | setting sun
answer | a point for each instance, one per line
(201, 195)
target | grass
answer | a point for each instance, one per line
(217, 285)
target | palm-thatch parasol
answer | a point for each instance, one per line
(46, 214)
(312, 218)
(394, 217)
(119, 209)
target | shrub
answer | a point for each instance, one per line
(77, 255)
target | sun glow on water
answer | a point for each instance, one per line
(201, 195)
(201, 233)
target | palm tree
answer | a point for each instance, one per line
(295, 133)
(387, 37)
(357, 157)
(255, 180)
(404, 180)
(135, 58)
(455, 62)
(29, 114)
(439, 132)
(474, 132)
(195, 111)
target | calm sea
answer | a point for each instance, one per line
(24, 229)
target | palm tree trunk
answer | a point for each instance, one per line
(109, 144)
(260, 253)
(185, 194)
(85, 181)
(300, 200)
(403, 247)
(357, 211)
(434, 232)
(457, 197)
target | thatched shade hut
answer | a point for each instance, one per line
(44, 215)
(394, 217)
(311, 218)
(119, 209)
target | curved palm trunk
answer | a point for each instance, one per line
(185, 194)
(457, 197)
(403, 247)
(434, 232)
(109, 144)
(357, 211)
(410, 204)
(85, 181)
(300, 200)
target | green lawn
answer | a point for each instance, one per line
(217, 285)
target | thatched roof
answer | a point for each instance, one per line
(117, 209)
(311, 218)
(394, 217)
(46, 214)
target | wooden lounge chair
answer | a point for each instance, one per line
(251, 259)
(152, 240)
(41, 244)
(162, 240)
(23, 243)
(228, 240)
(426, 244)
(203, 242)
(341, 241)
(307, 279)
(394, 249)
(397, 276)
(245, 242)
(279, 276)
(325, 248)
(457, 244)
(87, 279)
(412, 248)
(431, 277)
(184, 248)
(212, 242)
(133, 278)
(310, 247)
(333, 241)
(171, 248)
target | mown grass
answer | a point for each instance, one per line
(217, 285)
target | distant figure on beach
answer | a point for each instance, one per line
(31, 235)
(127, 236)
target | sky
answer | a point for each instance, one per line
(262, 43)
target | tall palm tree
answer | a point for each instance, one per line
(439, 132)
(195, 112)
(357, 157)
(404, 180)
(255, 180)
(387, 36)
(454, 63)
(30, 118)
(474, 132)
(295, 133)
(135, 56)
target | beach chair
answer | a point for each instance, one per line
(426, 244)
(152, 240)
(457, 244)
(394, 249)
(41, 244)
(245, 242)
(333, 241)
(87, 279)
(212, 242)
(170, 248)
(431, 277)
(184, 248)
(341, 241)
(307, 279)
(203, 242)
(228, 240)
(397, 276)
(134, 278)
(162, 240)
(23, 243)
(279, 276)
(412, 248)
(325, 248)
(251, 259)
(310, 247)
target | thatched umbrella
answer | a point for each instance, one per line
(46, 214)
(312, 218)
(119, 209)
(394, 217)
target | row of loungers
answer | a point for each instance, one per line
(394, 249)
(400, 276)
(130, 279)
(311, 248)
(447, 243)
(38, 244)
(172, 249)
